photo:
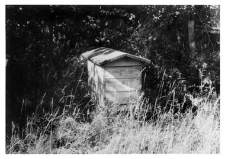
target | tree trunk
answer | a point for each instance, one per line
(191, 34)
(191, 37)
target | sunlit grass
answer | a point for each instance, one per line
(117, 130)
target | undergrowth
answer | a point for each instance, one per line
(123, 129)
(168, 125)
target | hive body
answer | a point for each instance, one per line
(114, 76)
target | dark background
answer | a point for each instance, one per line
(43, 45)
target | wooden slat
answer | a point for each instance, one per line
(122, 97)
(123, 72)
(125, 61)
(121, 84)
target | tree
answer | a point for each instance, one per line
(162, 36)
(43, 45)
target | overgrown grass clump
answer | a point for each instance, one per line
(127, 129)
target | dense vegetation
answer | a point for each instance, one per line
(45, 76)
(123, 130)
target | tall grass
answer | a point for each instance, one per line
(199, 134)
(138, 127)
(123, 129)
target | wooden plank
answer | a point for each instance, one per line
(99, 82)
(124, 61)
(123, 72)
(91, 72)
(99, 73)
(122, 84)
(122, 97)
(100, 91)
(96, 82)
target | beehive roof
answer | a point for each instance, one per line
(103, 55)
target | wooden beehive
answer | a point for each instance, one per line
(114, 76)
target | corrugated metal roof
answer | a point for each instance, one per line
(103, 55)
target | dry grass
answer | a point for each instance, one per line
(125, 131)
(200, 134)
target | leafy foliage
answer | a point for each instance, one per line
(43, 45)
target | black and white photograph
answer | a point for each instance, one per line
(112, 79)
